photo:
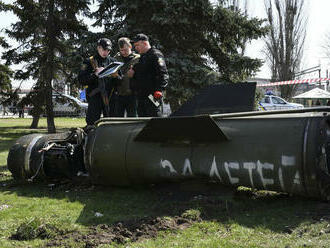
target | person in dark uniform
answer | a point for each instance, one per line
(100, 94)
(126, 99)
(149, 77)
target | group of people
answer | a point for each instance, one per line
(137, 89)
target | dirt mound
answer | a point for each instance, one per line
(35, 228)
(132, 230)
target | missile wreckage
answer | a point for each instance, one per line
(285, 151)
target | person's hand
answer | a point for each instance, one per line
(98, 69)
(130, 72)
(158, 95)
(115, 74)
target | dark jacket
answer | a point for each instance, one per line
(87, 77)
(150, 73)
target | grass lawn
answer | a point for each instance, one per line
(66, 214)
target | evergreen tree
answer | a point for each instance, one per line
(201, 42)
(8, 96)
(5, 79)
(6, 92)
(47, 32)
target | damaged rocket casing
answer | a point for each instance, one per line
(285, 151)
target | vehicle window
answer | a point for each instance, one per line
(267, 100)
(277, 100)
(63, 101)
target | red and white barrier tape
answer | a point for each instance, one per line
(302, 81)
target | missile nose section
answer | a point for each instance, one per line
(23, 158)
(47, 156)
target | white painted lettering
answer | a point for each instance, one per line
(250, 166)
(288, 160)
(187, 168)
(214, 170)
(296, 179)
(232, 165)
(166, 163)
(260, 168)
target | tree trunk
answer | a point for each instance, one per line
(49, 109)
(49, 69)
(35, 121)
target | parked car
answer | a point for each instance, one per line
(66, 105)
(271, 102)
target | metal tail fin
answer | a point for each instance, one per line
(192, 129)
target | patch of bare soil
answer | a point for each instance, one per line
(178, 202)
(33, 229)
(133, 230)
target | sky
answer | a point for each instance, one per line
(318, 25)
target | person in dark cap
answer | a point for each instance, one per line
(100, 99)
(149, 77)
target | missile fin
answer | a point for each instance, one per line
(198, 129)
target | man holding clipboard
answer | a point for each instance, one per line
(99, 85)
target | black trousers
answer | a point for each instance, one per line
(147, 109)
(128, 104)
(96, 107)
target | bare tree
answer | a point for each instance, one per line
(285, 41)
(326, 46)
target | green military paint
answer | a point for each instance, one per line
(281, 151)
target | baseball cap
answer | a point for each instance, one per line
(104, 43)
(139, 37)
